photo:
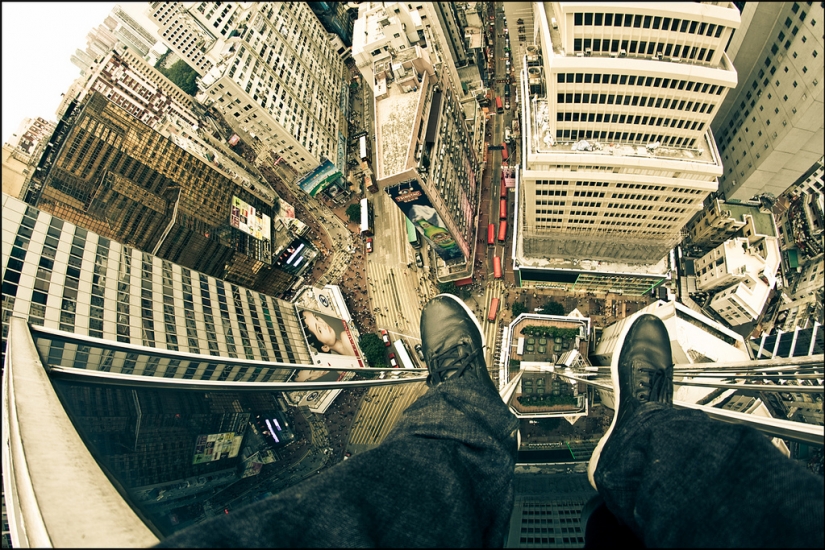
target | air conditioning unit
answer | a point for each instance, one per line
(614, 55)
(588, 52)
(675, 59)
(622, 53)
(659, 55)
(580, 54)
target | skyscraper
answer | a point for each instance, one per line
(424, 154)
(616, 105)
(770, 132)
(110, 173)
(272, 72)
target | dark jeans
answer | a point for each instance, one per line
(444, 477)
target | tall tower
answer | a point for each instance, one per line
(616, 107)
(770, 132)
(271, 71)
(108, 172)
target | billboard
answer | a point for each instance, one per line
(415, 204)
(212, 447)
(330, 343)
(250, 221)
(320, 178)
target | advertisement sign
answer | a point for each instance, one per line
(234, 140)
(250, 221)
(330, 342)
(319, 179)
(212, 447)
(415, 204)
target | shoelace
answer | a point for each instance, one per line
(441, 364)
(659, 386)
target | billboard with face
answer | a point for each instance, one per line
(415, 204)
(330, 342)
(320, 178)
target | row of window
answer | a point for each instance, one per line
(632, 137)
(636, 120)
(633, 80)
(682, 105)
(598, 45)
(648, 22)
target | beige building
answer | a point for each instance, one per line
(271, 70)
(617, 150)
(720, 221)
(24, 146)
(770, 130)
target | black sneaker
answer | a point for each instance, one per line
(452, 341)
(642, 373)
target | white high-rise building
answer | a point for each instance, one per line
(770, 131)
(617, 154)
(271, 70)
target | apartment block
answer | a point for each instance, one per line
(127, 80)
(24, 145)
(721, 220)
(271, 70)
(425, 158)
(108, 172)
(770, 130)
(617, 150)
(61, 276)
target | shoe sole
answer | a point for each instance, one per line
(614, 376)
(469, 313)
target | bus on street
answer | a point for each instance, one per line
(499, 105)
(366, 218)
(403, 356)
(502, 231)
(491, 234)
(496, 267)
(504, 155)
(491, 315)
(412, 234)
(502, 209)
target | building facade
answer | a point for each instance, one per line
(271, 70)
(27, 143)
(108, 172)
(425, 158)
(618, 153)
(61, 276)
(770, 130)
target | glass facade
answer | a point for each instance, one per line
(112, 174)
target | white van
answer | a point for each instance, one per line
(554, 23)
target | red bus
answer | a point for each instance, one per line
(491, 316)
(499, 106)
(502, 209)
(497, 267)
(503, 193)
(502, 230)
(491, 234)
(504, 155)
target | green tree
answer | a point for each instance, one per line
(184, 76)
(448, 288)
(354, 212)
(518, 308)
(551, 307)
(374, 350)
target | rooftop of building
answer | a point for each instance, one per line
(395, 118)
(762, 221)
(659, 269)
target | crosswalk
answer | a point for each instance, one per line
(380, 410)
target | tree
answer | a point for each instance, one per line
(448, 288)
(518, 308)
(551, 307)
(374, 350)
(184, 76)
(354, 212)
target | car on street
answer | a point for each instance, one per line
(393, 362)
(369, 244)
(419, 351)
(392, 355)
(419, 261)
(385, 337)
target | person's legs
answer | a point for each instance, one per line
(678, 478)
(443, 476)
